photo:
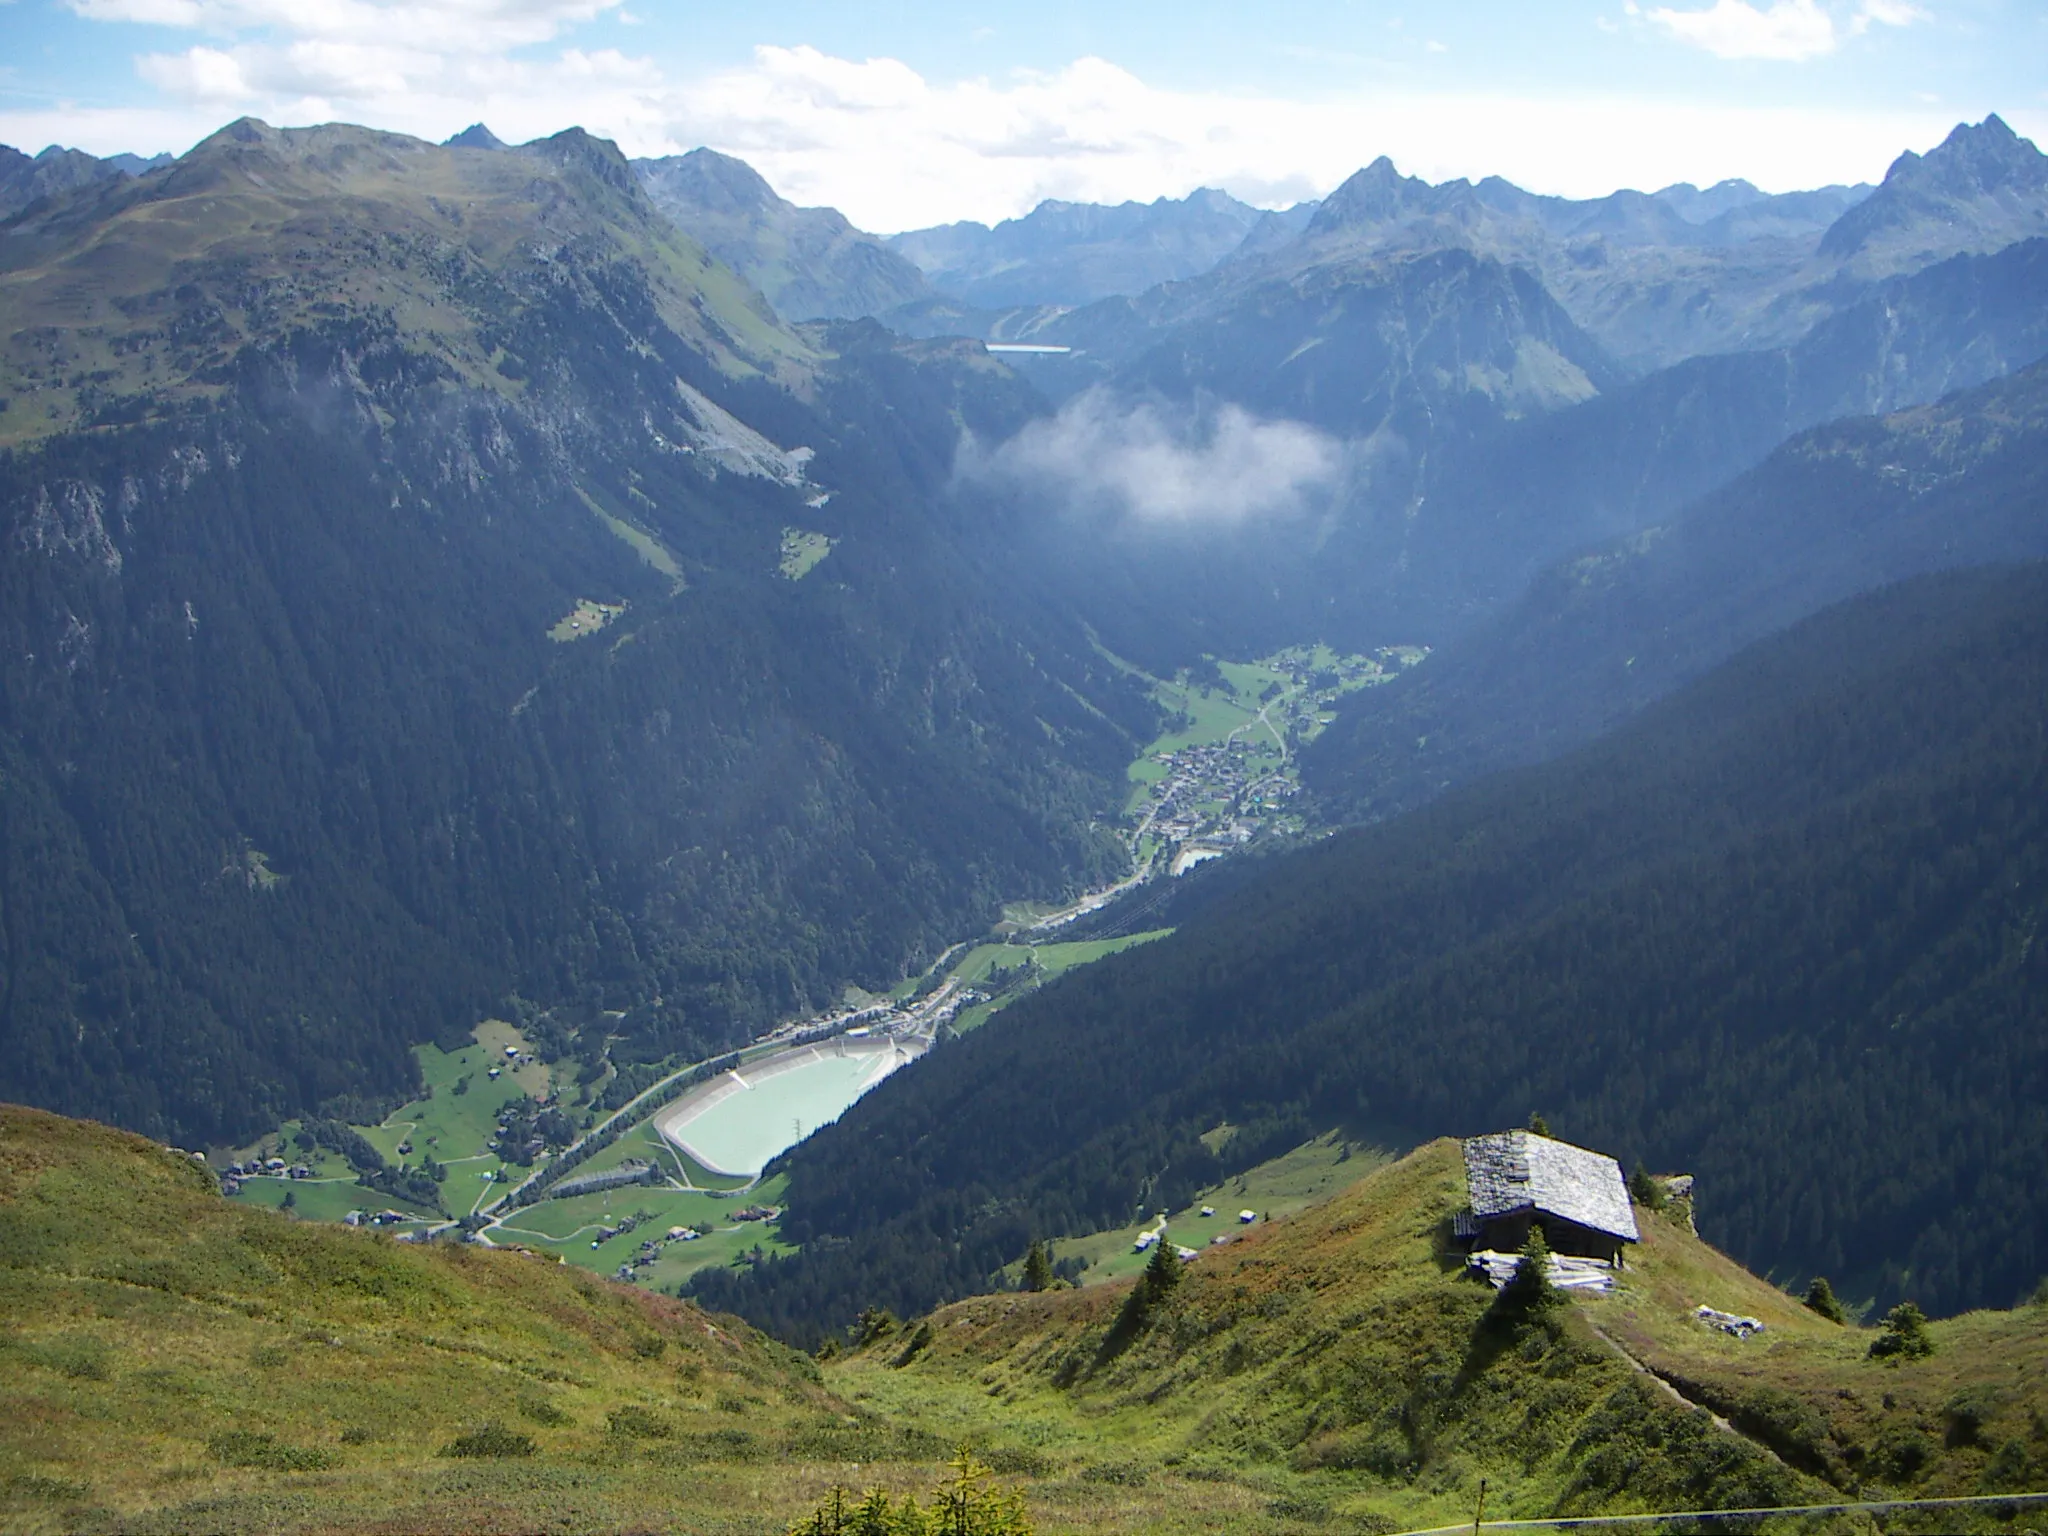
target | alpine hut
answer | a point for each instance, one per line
(1578, 1197)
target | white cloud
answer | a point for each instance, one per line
(1888, 13)
(1789, 31)
(895, 150)
(446, 26)
(199, 74)
(1098, 455)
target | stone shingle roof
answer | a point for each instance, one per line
(1512, 1171)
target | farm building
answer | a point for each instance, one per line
(1515, 1178)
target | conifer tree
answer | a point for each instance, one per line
(1644, 1189)
(1820, 1298)
(1530, 1291)
(1037, 1268)
(1905, 1335)
(1162, 1272)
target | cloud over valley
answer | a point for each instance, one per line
(1135, 462)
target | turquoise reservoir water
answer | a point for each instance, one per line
(741, 1131)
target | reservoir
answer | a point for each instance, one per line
(739, 1120)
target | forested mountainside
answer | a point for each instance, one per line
(1781, 932)
(1641, 452)
(398, 615)
(1839, 510)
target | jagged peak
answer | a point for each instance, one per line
(475, 136)
(721, 182)
(1373, 195)
(1982, 155)
(576, 148)
(1976, 161)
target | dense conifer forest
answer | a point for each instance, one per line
(1837, 510)
(304, 765)
(1783, 932)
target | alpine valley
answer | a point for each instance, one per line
(658, 855)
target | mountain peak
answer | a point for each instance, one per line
(475, 136)
(1378, 194)
(576, 148)
(719, 183)
(1986, 157)
(1983, 179)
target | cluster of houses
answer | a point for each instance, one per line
(1200, 775)
(374, 1218)
(650, 1250)
(1146, 1240)
(231, 1177)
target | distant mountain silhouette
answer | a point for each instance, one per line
(24, 178)
(810, 262)
(1982, 187)
(1074, 253)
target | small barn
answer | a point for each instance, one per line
(1516, 1178)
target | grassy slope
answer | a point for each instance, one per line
(142, 1318)
(1054, 960)
(1292, 1182)
(128, 289)
(1331, 1364)
(1337, 1364)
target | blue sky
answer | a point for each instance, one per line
(915, 113)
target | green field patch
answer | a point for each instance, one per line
(568, 1227)
(636, 538)
(1212, 714)
(1030, 966)
(801, 552)
(452, 1121)
(1292, 1182)
(457, 1116)
(584, 620)
(326, 1199)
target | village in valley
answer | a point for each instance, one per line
(1225, 772)
(504, 1148)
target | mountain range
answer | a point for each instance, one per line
(25, 179)
(450, 581)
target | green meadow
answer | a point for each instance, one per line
(1053, 960)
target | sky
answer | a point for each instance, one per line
(918, 113)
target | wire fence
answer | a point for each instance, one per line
(1988, 1502)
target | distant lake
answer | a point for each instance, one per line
(737, 1122)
